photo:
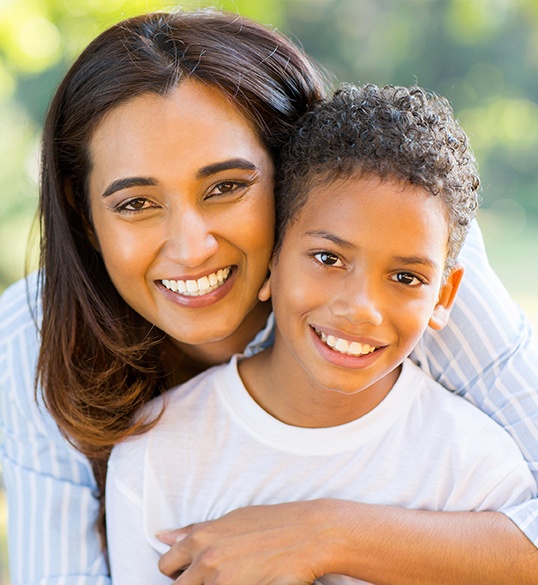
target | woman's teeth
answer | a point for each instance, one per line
(200, 287)
(343, 345)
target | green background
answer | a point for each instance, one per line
(481, 54)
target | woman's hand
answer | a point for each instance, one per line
(283, 544)
(296, 543)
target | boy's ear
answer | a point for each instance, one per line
(264, 294)
(447, 295)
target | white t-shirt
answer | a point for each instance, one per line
(215, 449)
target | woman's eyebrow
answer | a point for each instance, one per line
(120, 184)
(226, 165)
(207, 171)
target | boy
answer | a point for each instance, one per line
(375, 196)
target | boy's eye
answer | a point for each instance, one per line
(406, 278)
(328, 259)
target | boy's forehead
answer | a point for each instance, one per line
(372, 205)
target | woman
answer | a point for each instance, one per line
(156, 206)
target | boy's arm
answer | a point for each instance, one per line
(50, 487)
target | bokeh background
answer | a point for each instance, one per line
(481, 54)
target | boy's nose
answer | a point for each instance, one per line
(359, 302)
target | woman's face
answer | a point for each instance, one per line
(181, 200)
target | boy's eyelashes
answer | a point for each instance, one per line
(408, 278)
(328, 258)
(405, 277)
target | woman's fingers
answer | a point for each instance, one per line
(170, 537)
(258, 545)
(174, 562)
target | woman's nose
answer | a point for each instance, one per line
(190, 239)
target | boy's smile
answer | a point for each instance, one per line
(355, 284)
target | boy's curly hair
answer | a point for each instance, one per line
(402, 133)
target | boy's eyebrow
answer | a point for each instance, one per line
(328, 236)
(413, 260)
(202, 173)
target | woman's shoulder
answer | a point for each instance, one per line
(20, 308)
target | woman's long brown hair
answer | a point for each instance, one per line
(99, 360)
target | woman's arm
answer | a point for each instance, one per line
(488, 353)
(50, 487)
(289, 543)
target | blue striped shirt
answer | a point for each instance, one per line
(487, 354)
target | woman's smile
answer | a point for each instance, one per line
(198, 293)
(197, 287)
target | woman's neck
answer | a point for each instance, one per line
(186, 361)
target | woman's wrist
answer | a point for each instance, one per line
(391, 545)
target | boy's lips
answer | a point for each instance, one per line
(200, 286)
(343, 345)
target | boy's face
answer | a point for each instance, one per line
(357, 280)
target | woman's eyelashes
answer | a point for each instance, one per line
(135, 205)
(221, 189)
(224, 188)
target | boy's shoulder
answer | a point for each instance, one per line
(191, 402)
(466, 430)
(181, 414)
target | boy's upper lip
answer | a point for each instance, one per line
(372, 342)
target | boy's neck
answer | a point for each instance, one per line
(286, 392)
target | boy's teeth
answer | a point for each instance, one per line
(202, 286)
(343, 345)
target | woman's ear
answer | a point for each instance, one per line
(86, 223)
(90, 234)
(447, 296)
(264, 294)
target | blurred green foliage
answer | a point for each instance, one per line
(482, 54)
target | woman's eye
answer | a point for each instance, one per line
(226, 187)
(136, 204)
(407, 278)
(328, 259)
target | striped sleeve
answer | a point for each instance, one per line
(488, 353)
(50, 486)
